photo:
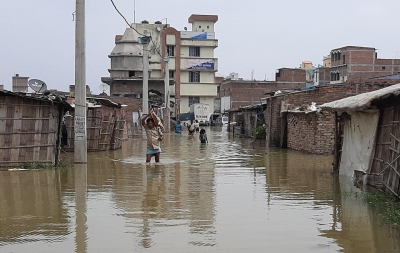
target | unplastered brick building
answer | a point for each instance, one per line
(355, 64)
(235, 93)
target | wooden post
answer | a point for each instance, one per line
(337, 146)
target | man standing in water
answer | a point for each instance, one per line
(154, 137)
(192, 128)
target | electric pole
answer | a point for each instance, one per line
(166, 83)
(145, 105)
(80, 141)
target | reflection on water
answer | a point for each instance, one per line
(226, 196)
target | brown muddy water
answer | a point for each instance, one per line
(227, 196)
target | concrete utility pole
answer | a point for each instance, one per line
(80, 142)
(166, 83)
(145, 105)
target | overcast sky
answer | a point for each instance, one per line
(37, 37)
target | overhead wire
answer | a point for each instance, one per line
(151, 39)
(126, 21)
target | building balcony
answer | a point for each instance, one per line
(199, 43)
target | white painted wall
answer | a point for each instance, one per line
(205, 77)
(189, 89)
(184, 103)
(205, 52)
(171, 40)
(203, 26)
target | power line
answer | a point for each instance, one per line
(126, 21)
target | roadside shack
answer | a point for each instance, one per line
(367, 137)
(30, 128)
(105, 125)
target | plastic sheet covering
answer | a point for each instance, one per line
(358, 141)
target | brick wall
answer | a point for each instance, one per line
(360, 63)
(133, 105)
(312, 132)
(319, 95)
(290, 75)
(324, 76)
(244, 93)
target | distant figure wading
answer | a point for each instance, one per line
(192, 128)
(203, 136)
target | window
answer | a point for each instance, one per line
(344, 59)
(194, 51)
(194, 77)
(172, 74)
(335, 76)
(194, 100)
(131, 73)
(383, 67)
(171, 50)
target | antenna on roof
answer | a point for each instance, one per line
(37, 85)
(134, 11)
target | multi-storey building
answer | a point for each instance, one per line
(126, 72)
(356, 64)
(189, 55)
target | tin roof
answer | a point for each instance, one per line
(362, 101)
(51, 98)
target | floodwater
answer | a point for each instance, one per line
(228, 196)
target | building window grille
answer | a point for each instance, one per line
(194, 77)
(171, 51)
(194, 100)
(131, 73)
(172, 74)
(194, 51)
(335, 76)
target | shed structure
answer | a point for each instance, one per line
(368, 137)
(246, 119)
(30, 128)
(105, 125)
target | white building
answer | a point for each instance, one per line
(192, 65)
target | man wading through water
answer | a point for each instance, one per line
(154, 137)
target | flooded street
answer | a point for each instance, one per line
(227, 196)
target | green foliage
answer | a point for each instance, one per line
(44, 166)
(386, 204)
(259, 129)
(38, 166)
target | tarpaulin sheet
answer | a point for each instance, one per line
(358, 141)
